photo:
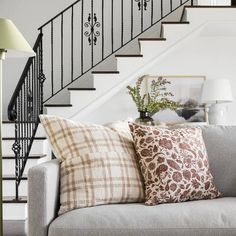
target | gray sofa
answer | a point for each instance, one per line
(207, 217)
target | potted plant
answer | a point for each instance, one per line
(149, 103)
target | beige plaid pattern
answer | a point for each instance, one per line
(98, 163)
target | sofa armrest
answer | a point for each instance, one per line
(43, 197)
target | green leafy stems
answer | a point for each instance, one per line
(154, 101)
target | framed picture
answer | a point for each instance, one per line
(186, 90)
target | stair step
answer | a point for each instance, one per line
(12, 177)
(152, 39)
(81, 89)
(9, 185)
(105, 72)
(58, 105)
(8, 129)
(61, 109)
(132, 60)
(8, 164)
(39, 146)
(7, 122)
(210, 6)
(11, 199)
(128, 55)
(12, 157)
(12, 138)
(14, 210)
(12, 122)
(176, 22)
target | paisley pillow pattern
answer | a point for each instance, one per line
(174, 164)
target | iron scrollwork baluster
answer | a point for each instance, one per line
(30, 103)
(92, 24)
(142, 4)
(16, 149)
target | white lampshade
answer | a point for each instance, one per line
(216, 91)
(13, 41)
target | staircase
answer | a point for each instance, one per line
(58, 90)
(15, 209)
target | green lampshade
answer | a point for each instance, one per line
(13, 41)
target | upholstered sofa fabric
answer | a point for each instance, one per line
(204, 217)
(43, 202)
(197, 218)
(220, 143)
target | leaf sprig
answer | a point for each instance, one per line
(156, 100)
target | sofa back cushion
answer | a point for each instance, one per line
(97, 163)
(220, 143)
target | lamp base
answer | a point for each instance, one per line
(217, 114)
(2, 54)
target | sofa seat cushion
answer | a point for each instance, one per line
(204, 217)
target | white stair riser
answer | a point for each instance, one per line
(214, 2)
(149, 48)
(9, 188)
(78, 98)
(14, 211)
(39, 146)
(125, 65)
(102, 82)
(9, 166)
(175, 32)
(60, 111)
(210, 14)
(8, 130)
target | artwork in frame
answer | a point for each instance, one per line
(186, 91)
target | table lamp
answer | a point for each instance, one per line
(214, 94)
(12, 44)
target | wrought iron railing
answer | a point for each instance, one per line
(74, 42)
(24, 108)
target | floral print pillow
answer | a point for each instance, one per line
(174, 164)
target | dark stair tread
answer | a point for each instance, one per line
(210, 6)
(105, 72)
(152, 39)
(176, 22)
(7, 122)
(12, 177)
(38, 156)
(35, 138)
(12, 122)
(128, 55)
(82, 89)
(58, 105)
(11, 199)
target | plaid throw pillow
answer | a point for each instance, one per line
(98, 163)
